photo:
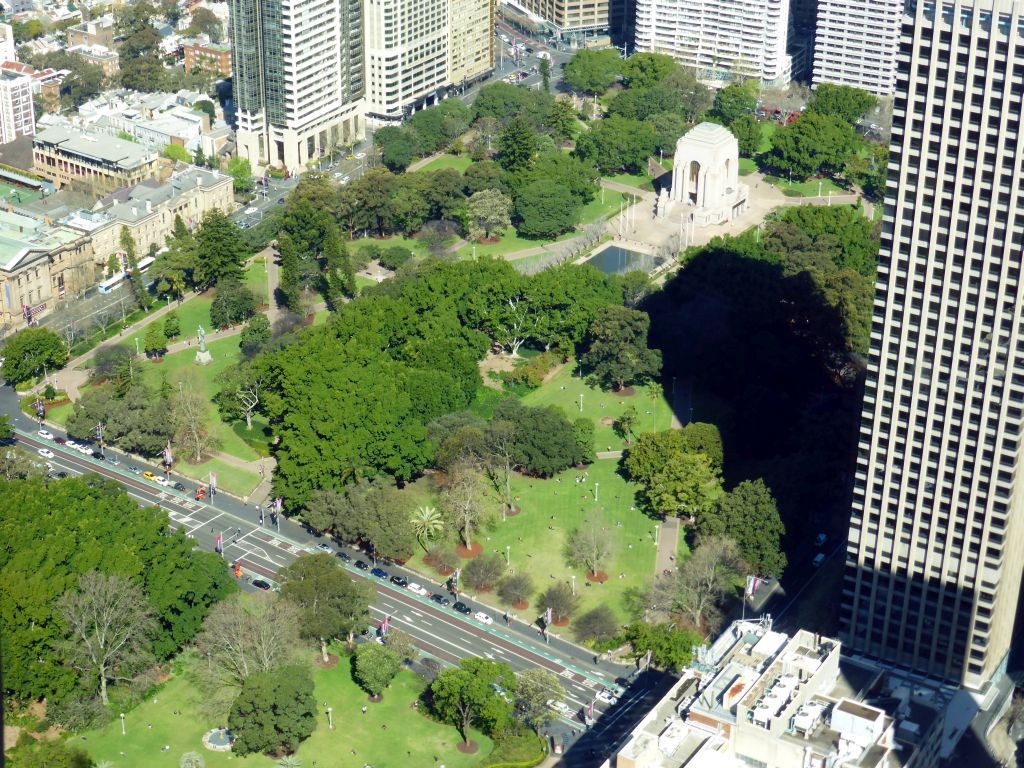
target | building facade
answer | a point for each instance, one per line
(92, 161)
(201, 55)
(936, 542)
(95, 32)
(298, 78)
(855, 43)
(471, 41)
(720, 39)
(572, 16)
(17, 116)
(8, 50)
(101, 56)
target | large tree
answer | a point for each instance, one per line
(618, 144)
(220, 250)
(192, 420)
(814, 144)
(465, 696)
(31, 352)
(544, 210)
(332, 604)
(734, 101)
(589, 546)
(463, 500)
(274, 712)
(240, 171)
(489, 213)
(374, 667)
(534, 688)
(643, 70)
(593, 71)
(847, 103)
(748, 514)
(687, 484)
(109, 623)
(517, 145)
(698, 587)
(618, 355)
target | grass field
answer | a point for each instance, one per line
(362, 281)
(414, 245)
(410, 738)
(638, 180)
(564, 389)
(809, 188)
(256, 280)
(191, 314)
(459, 162)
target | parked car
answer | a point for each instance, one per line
(112, 459)
(280, 201)
(820, 539)
(161, 480)
(71, 443)
(261, 584)
(60, 440)
(362, 566)
(85, 449)
(441, 600)
(324, 547)
(483, 618)
(251, 210)
(45, 434)
(60, 475)
(149, 476)
(607, 697)
(180, 486)
(380, 573)
(46, 453)
(560, 707)
(134, 470)
(345, 557)
(417, 589)
(400, 581)
(818, 560)
(462, 608)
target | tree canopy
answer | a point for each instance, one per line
(845, 102)
(31, 351)
(618, 354)
(274, 712)
(593, 71)
(748, 515)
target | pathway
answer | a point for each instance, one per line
(668, 544)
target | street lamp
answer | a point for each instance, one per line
(136, 345)
(819, 188)
(596, 487)
(657, 530)
(574, 585)
(581, 395)
(330, 720)
(508, 555)
(122, 724)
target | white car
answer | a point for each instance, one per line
(416, 589)
(325, 548)
(85, 450)
(360, 155)
(483, 618)
(503, 38)
(251, 210)
(69, 443)
(607, 697)
(161, 480)
(560, 707)
(46, 453)
(46, 435)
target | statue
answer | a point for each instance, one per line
(203, 356)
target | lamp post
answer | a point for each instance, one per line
(122, 724)
(596, 487)
(574, 585)
(508, 555)
(581, 399)
(136, 345)
(657, 530)
(330, 720)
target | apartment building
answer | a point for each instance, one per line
(99, 55)
(936, 542)
(298, 78)
(471, 40)
(202, 55)
(855, 43)
(98, 31)
(40, 263)
(8, 50)
(720, 39)
(17, 116)
(93, 161)
(572, 16)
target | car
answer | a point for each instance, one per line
(362, 566)
(70, 443)
(560, 707)
(345, 557)
(251, 210)
(149, 476)
(400, 581)
(607, 697)
(360, 155)
(441, 600)
(179, 486)
(818, 560)
(346, 179)
(280, 201)
(380, 573)
(244, 225)
(820, 539)
(112, 459)
(324, 547)
(417, 589)
(462, 608)
(85, 449)
(499, 690)
(60, 475)
(483, 618)
(45, 434)
(46, 453)
(161, 480)
(134, 470)
(261, 584)
(60, 441)
(350, 156)
(503, 38)
(338, 175)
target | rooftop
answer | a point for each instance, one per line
(105, 149)
(22, 235)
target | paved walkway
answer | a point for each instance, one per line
(668, 544)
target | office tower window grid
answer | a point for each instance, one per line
(934, 555)
(856, 43)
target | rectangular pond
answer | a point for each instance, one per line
(615, 260)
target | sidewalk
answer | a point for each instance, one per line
(668, 544)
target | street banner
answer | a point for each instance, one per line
(168, 456)
(590, 712)
(547, 616)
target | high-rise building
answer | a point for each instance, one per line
(936, 541)
(855, 43)
(17, 116)
(719, 38)
(417, 50)
(297, 78)
(8, 51)
(574, 16)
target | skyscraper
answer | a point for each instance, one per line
(936, 541)
(298, 78)
(855, 43)
(719, 38)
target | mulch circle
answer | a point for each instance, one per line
(625, 392)
(445, 571)
(561, 622)
(468, 748)
(607, 421)
(468, 554)
(522, 605)
(599, 578)
(331, 663)
(512, 511)
(375, 699)
(156, 360)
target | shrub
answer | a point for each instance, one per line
(394, 257)
(517, 588)
(596, 624)
(560, 599)
(532, 372)
(447, 560)
(483, 572)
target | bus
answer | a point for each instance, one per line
(112, 282)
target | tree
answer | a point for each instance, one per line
(427, 524)
(30, 352)
(845, 102)
(176, 152)
(747, 131)
(138, 281)
(560, 599)
(545, 441)
(255, 335)
(517, 145)
(589, 546)
(374, 668)
(813, 144)
(516, 588)
(735, 100)
(172, 325)
(45, 753)
(191, 420)
(686, 484)
(483, 573)
(155, 344)
(402, 644)
(749, 516)
(618, 355)
(220, 250)
(240, 171)
(108, 622)
(597, 624)
(489, 212)
(562, 121)
(617, 143)
(593, 71)
(205, 22)
(545, 74)
(398, 147)
(545, 211)
(6, 430)
(332, 605)
(462, 499)
(870, 172)
(486, 174)
(463, 696)
(534, 688)
(234, 303)
(670, 648)
(274, 712)
(644, 70)
(699, 585)
(625, 423)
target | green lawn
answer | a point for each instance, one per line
(230, 478)
(191, 314)
(768, 128)
(362, 281)
(603, 408)
(459, 162)
(256, 279)
(747, 166)
(411, 243)
(809, 188)
(638, 180)
(410, 739)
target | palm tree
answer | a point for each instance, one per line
(427, 523)
(291, 761)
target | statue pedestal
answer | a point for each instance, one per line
(203, 357)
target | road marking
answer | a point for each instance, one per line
(200, 525)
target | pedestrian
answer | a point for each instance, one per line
(364, 710)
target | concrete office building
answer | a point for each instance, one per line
(575, 16)
(17, 116)
(855, 43)
(936, 542)
(471, 40)
(719, 38)
(297, 78)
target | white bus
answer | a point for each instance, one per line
(112, 282)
